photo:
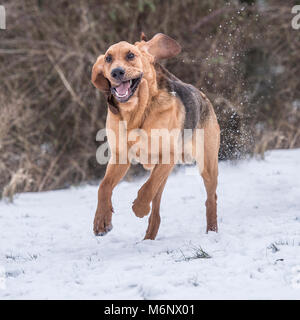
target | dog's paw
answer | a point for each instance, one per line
(140, 208)
(212, 227)
(102, 225)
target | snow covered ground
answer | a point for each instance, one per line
(48, 250)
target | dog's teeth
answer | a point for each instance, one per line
(130, 82)
(122, 96)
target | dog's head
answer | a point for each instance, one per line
(121, 69)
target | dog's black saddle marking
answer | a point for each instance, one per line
(196, 106)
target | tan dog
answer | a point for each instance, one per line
(143, 95)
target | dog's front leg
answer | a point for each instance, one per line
(141, 205)
(114, 173)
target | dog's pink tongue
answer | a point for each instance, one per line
(123, 87)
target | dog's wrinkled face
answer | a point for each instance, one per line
(120, 70)
(123, 68)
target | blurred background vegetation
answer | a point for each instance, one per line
(243, 54)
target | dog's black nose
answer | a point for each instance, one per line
(118, 73)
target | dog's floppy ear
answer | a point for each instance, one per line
(162, 46)
(143, 37)
(101, 83)
(98, 79)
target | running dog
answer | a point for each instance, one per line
(143, 95)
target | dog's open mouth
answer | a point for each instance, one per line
(126, 89)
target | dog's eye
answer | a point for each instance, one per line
(108, 58)
(130, 56)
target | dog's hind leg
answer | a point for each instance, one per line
(154, 220)
(209, 172)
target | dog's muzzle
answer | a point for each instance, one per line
(124, 91)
